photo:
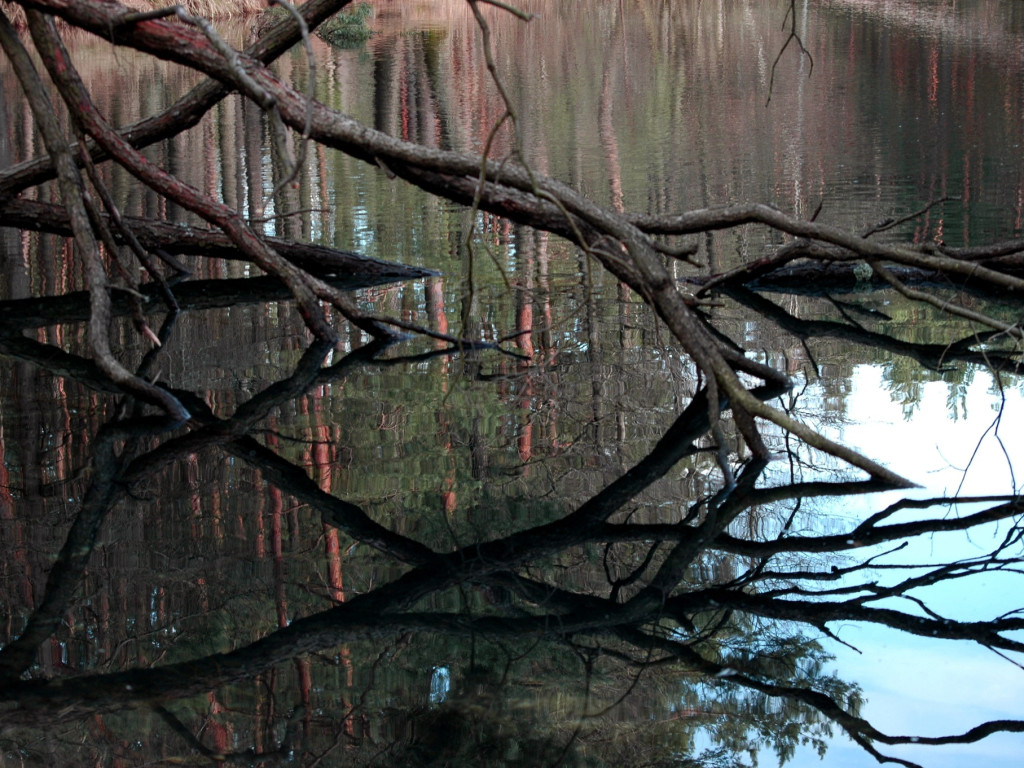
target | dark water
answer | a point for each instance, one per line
(296, 526)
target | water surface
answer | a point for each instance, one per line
(218, 545)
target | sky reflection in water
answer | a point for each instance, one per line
(916, 685)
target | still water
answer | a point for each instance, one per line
(246, 537)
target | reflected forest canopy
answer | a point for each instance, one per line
(646, 568)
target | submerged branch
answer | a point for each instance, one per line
(179, 240)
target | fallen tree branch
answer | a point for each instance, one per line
(187, 111)
(177, 239)
(71, 188)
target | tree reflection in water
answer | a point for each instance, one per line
(633, 627)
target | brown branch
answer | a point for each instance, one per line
(936, 357)
(187, 111)
(791, 38)
(707, 219)
(71, 187)
(80, 104)
(947, 306)
(167, 238)
(409, 161)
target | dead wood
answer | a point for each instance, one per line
(181, 240)
(622, 243)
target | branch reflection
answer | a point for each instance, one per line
(548, 624)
